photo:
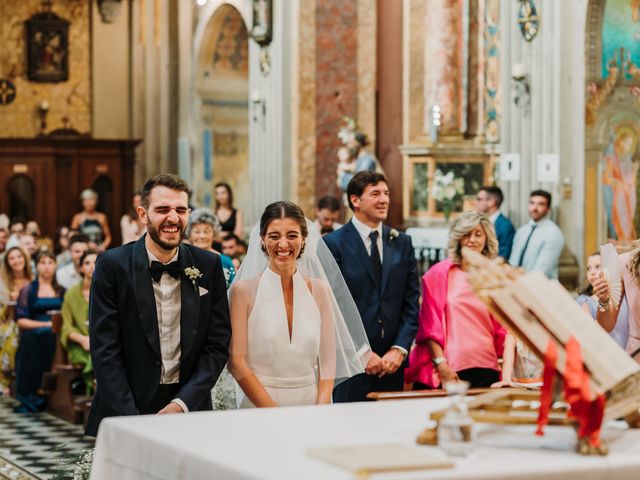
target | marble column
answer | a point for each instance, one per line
(442, 73)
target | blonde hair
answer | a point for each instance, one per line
(462, 226)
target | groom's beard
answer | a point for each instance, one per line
(155, 236)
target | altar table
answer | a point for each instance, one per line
(271, 444)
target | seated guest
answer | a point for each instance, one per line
(457, 337)
(92, 223)
(43, 243)
(28, 242)
(69, 275)
(15, 273)
(327, 214)
(4, 238)
(75, 320)
(231, 245)
(130, 224)
(61, 246)
(201, 230)
(37, 341)
(590, 303)
(488, 201)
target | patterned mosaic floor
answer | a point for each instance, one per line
(35, 442)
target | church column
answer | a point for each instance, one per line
(442, 76)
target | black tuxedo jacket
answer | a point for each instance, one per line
(389, 312)
(123, 329)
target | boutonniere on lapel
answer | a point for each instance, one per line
(193, 274)
(393, 234)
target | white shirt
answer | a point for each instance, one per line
(494, 216)
(168, 306)
(67, 276)
(365, 231)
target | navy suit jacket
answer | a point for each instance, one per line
(389, 313)
(123, 329)
(505, 233)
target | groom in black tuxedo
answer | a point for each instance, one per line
(159, 319)
(379, 266)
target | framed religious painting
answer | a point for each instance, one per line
(47, 48)
(262, 29)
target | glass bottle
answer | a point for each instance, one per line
(455, 429)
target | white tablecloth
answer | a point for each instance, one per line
(271, 444)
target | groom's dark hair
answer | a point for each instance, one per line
(361, 181)
(169, 180)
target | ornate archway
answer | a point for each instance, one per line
(221, 100)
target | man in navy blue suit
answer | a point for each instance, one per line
(379, 266)
(488, 201)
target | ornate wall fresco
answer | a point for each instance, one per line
(492, 71)
(613, 119)
(620, 34)
(70, 99)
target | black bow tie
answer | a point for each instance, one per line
(157, 269)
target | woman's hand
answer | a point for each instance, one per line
(601, 289)
(447, 374)
(502, 384)
(84, 343)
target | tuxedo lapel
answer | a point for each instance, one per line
(388, 256)
(355, 241)
(145, 298)
(189, 303)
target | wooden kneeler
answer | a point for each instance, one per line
(600, 380)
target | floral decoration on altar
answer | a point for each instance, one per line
(447, 189)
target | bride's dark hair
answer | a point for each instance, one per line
(280, 210)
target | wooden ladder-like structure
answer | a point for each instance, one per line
(540, 311)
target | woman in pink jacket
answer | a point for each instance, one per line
(457, 337)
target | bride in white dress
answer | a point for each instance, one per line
(296, 331)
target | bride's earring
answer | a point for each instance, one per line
(302, 250)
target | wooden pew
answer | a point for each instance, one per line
(56, 385)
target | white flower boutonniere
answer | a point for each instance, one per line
(193, 274)
(393, 234)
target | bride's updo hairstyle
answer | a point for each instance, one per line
(280, 210)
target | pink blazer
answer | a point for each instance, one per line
(431, 325)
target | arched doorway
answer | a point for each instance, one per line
(221, 111)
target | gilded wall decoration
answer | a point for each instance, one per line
(70, 98)
(47, 48)
(492, 71)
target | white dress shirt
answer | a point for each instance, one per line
(494, 216)
(365, 231)
(168, 306)
(67, 276)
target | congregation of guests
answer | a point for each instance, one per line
(41, 277)
(449, 336)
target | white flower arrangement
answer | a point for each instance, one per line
(193, 274)
(446, 189)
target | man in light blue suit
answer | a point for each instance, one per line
(379, 267)
(538, 244)
(488, 201)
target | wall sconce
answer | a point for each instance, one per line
(520, 84)
(258, 107)
(43, 110)
(435, 120)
